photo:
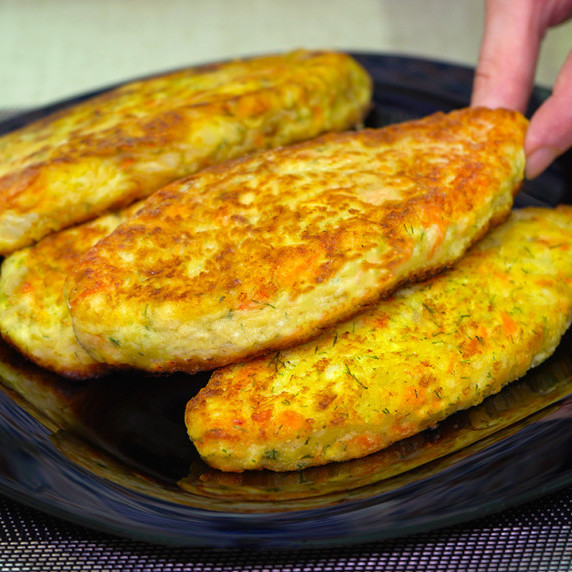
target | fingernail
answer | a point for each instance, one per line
(538, 160)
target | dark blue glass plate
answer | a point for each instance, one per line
(113, 454)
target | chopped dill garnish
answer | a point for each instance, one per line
(428, 308)
(263, 303)
(276, 361)
(349, 372)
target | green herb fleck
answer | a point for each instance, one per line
(276, 361)
(428, 308)
(263, 303)
(349, 372)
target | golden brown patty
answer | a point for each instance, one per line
(434, 348)
(264, 252)
(34, 316)
(121, 146)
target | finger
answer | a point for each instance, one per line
(550, 131)
(509, 53)
(557, 11)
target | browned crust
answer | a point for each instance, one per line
(237, 240)
(123, 145)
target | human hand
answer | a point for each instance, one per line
(514, 30)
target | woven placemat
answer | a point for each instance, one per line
(534, 537)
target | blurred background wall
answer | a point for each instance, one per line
(51, 49)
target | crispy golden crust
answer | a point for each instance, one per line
(34, 317)
(126, 143)
(437, 347)
(264, 252)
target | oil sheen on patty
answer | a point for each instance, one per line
(263, 253)
(113, 149)
(434, 348)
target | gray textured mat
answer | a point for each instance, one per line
(534, 537)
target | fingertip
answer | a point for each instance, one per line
(493, 89)
(507, 59)
(539, 160)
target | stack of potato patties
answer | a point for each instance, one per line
(333, 276)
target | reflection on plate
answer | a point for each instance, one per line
(113, 453)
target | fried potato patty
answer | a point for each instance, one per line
(264, 252)
(34, 316)
(120, 146)
(433, 348)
